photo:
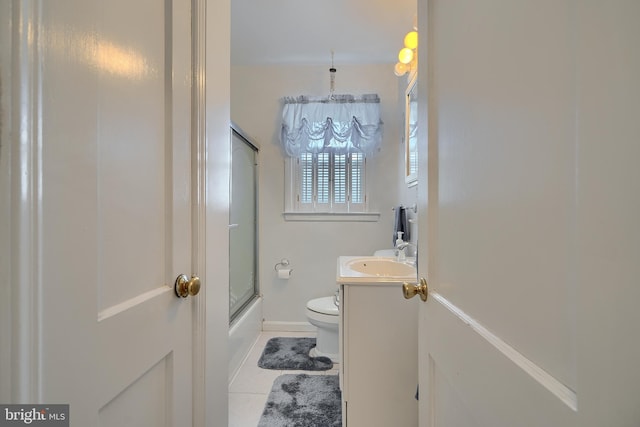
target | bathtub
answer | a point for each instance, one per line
(243, 333)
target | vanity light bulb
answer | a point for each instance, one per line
(411, 40)
(400, 69)
(405, 56)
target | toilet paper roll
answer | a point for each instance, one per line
(284, 273)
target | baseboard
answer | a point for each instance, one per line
(275, 326)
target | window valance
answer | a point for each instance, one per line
(341, 124)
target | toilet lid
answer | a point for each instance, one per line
(324, 306)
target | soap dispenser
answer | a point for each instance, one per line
(400, 247)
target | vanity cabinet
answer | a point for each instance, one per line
(378, 356)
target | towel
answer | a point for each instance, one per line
(401, 224)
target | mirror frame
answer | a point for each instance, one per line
(410, 132)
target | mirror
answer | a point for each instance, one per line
(411, 132)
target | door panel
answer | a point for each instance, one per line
(134, 157)
(506, 172)
(447, 401)
(141, 400)
(515, 170)
(608, 236)
(110, 87)
(488, 382)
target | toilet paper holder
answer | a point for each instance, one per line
(282, 264)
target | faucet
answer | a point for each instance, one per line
(402, 246)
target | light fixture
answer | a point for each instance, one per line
(411, 40)
(332, 79)
(400, 69)
(407, 57)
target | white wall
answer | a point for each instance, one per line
(313, 247)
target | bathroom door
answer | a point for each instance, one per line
(529, 208)
(242, 223)
(102, 152)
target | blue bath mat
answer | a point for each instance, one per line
(292, 353)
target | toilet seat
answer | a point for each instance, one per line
(324, 305)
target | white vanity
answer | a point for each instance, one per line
(378, 343)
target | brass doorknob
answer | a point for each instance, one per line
(185, 286)
(411, 291)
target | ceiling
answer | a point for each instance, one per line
(306, 31)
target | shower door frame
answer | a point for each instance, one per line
(237, 131)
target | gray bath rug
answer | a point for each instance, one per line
(303, 401)
(292, 353)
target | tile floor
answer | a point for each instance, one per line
(250, 387)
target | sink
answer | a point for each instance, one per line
(374, 269)
(381, 267)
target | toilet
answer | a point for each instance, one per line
(324, 314)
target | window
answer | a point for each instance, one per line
(329, 183)
(326, 142)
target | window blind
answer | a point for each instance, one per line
(331, 182)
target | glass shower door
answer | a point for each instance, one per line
(243, 287)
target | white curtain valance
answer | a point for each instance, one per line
(341, 124)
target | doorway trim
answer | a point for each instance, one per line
(199, 209)
(24, 186)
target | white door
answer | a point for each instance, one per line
(103, 208)
(529, 212)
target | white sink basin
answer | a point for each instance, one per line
(374, 269)
(381, 267)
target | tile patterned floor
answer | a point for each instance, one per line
(250, 387)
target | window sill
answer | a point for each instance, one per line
(332, 217)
